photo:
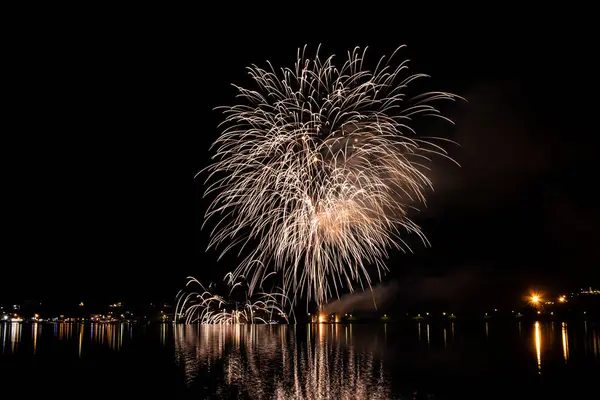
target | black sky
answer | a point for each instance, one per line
(104, 133)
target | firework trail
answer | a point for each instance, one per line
(317, 170)
(204, 307)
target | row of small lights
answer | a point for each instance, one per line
(384, 315)
(535, 299)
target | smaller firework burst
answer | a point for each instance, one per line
(204, 307)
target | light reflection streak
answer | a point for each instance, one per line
(114, 336)
(34, 330)
(15, 336)
(4, 329)
(163, 334)
(81, 326)
(109, 335)
(565, 341)
(65, 330)
(596, 343)
(585, 338)
(445, 338)
(487, 330)
(270, 361)
(538, 346)
(95, 332)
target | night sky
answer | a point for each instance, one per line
(104, 133)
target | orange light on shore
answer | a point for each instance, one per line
(321, 318)
(562, 299)
(535, 299)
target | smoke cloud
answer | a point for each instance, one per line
(367, 300)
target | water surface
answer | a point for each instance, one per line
(387, 361)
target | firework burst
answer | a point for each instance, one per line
(316, 172)
(204, 307)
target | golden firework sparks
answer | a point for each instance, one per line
(317, 169)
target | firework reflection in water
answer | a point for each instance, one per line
(271, 362)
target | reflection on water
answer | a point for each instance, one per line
(274, 362)
(332, 362)
(163, 334)
(65, 331)
(15, 335)
(544, 339)
(110, 335)
(487, 329)
(428, 339)
(80, 339)
(565, 341)
(445, 338)
(597, 344)
(4, 330)
(34, 329)
(379, 361)
(538, 346)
